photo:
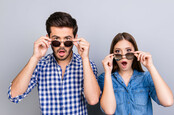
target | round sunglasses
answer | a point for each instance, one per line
(56, 43)
(129, 56)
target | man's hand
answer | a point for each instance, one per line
(82, 46)
(41, 46)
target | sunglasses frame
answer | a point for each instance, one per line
(117, 59)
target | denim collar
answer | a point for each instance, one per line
(117, 75)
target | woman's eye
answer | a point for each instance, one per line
(117, 51)
(129, 50)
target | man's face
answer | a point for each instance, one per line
(62, 34)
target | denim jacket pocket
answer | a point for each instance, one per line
(119, 95)
(140, 96)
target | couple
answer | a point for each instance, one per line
(67, 81)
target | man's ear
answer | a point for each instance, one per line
(47, 35)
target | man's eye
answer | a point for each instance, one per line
(56, 38)
(67, 38)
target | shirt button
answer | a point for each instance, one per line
(128, 102)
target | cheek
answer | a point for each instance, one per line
(130, 62)
(54, 49)
(68, 48)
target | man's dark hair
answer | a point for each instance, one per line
(61, 19)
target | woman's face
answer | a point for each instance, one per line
(122, 47)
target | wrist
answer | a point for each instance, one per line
(85, 58)
(35, 58)
(150, 67)
(107, 72)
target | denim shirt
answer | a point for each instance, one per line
(134, 99)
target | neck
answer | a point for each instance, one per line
(126, 73)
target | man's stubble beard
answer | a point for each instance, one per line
(59, 59)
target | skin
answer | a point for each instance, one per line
(91, 87)
(108, 102)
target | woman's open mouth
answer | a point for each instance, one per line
(124, 64)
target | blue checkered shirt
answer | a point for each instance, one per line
(58, 96)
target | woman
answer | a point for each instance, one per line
(127, 89)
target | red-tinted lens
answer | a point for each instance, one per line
(56, 43)
(68, 43)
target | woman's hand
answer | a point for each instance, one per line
(108, 63)
(145, 58)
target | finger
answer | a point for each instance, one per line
(76, 40)
(46, 43)
(110, 55)
(142, 57)
(41, 44)
(44, 38)
(76, 44)
(47, 39)
(137, 52)
(83, 43)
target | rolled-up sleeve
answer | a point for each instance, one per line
(101, 81)
(152, 91)
(31, 85)
(101, 84)
(94, 68)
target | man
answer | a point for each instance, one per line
(65, 80)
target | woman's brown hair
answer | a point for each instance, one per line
(126, 36)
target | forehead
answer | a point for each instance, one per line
(61, 31)
(122, 44)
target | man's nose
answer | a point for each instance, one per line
(61, 43)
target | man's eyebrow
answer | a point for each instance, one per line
(68, 36)
(54, 36)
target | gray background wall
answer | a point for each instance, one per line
(23, 21)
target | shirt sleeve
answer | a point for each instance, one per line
(101, 81)
(95, 71)
(101, 84)
(152, 91)
(94, 68)
(31, 85)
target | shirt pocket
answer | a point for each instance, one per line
(140, 96)
(119, 95)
